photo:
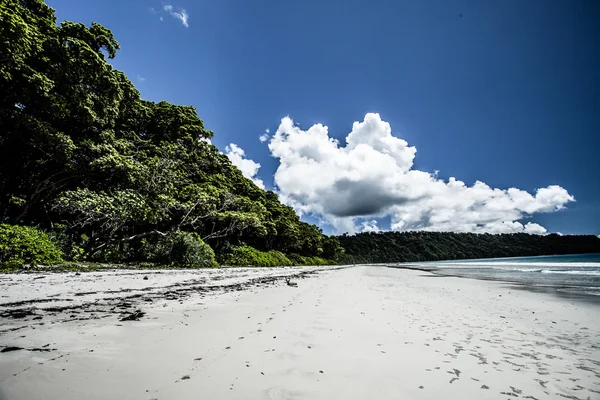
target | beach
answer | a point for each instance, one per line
(357, 332)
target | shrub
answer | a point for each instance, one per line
(246, 256)
(182, 249)
(114, 253)
(21, 245)
(70, 245)
(297, 259)
(318, 261)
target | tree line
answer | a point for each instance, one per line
(110, 176)
(392, 247)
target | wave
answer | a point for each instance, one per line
(521, 269)
(571, 272)
(583, 269)
(520, 265)
(593, 291)
(592, 271)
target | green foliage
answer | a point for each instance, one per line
(23, 245)
(332, 248)
(245, 256)
(80, 149)
(388, 247)
(181, 249)
(71, 247)
(297, 259)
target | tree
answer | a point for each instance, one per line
(82, 153)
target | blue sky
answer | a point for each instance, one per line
(504, 92)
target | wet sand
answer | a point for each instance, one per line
(351, 333)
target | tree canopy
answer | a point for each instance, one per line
(81, 153)
(392, 247)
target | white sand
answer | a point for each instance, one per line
(374, 332)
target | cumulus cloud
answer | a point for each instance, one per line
(249, 168)
(179, 14)
(370, 226)
(265, 136)
(372, 175)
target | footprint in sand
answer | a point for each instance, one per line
(278, 393)
(288, 356)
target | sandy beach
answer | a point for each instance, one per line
(349, 333)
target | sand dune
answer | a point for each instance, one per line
(351, 333)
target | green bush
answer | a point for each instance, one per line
(181, 249)
(71, 246)
(318, 261)
(22, 245)
(246, 256)
(114, 253)
(297, 259)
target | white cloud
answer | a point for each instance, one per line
(534, 229)
(265, 136)
(370, 226)
(141, 78)
(248, 167)
(181, 14)
(372, 176)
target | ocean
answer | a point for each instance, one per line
(577, 274)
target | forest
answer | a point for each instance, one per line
(392, 247)
(88, 165)
(90, 171)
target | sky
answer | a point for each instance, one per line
(442, 115)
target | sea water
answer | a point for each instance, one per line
(577, 274)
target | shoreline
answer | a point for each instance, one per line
(351, 332)
(557, 290)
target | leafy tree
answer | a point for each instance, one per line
(82, 154)
(332, 249)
